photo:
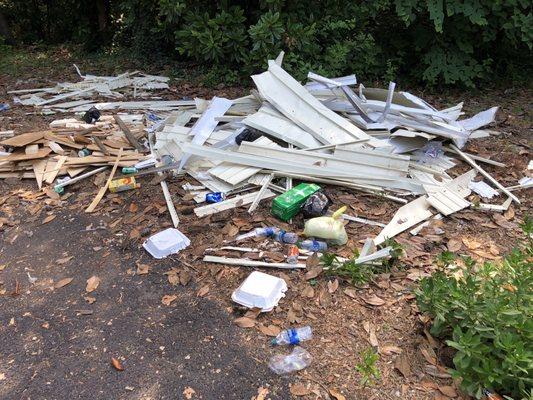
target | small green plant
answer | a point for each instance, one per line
(486, 312)
(357, 273)
(367, 367)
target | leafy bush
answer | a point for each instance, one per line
(432, 41)
(487, 312)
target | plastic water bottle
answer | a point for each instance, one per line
(286, 237)
(269, 231)
(292, 254)
(313, 245)
(296, 361)
(293, 336)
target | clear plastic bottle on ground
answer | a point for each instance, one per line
(292, 254)
(296, 361)
(269, 231)
(313, 245)
(286, 237)
(293, 336)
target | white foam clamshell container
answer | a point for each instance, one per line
(166, 242)
(260, 290)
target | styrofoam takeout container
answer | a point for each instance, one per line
(260, 290)
(166, 242)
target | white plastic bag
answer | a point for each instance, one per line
(330, 228)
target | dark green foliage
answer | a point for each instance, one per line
(486, 312)
(432, 41)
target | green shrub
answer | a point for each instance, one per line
(486, 311)
(453, 42)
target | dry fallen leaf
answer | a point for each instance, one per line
(402, 365)
(245, 322)
(333, 286)
(189, 392)
(134, 207)
(336, 394)
(448, 391)
(454, 245)
(389, 349)
(372, 338)
(203, 291)
(374, 300)
(185, 277)
(262, 394)
(312, 261)
(350, 292)
(142, 269)
(168, 299)
(472, 244)
(297, 389)
(308, 292)
(313, 273)
(64, 260)
(48, 219)
(270, 330)
(92, 284)
(116, 363)
(62, 282)
(253, 313)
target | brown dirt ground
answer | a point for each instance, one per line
(338, 319)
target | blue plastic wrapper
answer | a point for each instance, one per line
(215, 197)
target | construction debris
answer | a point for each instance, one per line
(375, 141)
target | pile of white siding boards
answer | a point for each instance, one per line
(332, 131)
(78, 96)
(329, 131)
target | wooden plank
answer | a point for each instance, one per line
(55, 147)
(51, 173)
(24, 139)
(22, 156)
(74, 171)
(100, 145)
(131, 138)
(103, 190)
(39, 166)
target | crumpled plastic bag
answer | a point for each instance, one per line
(329, 228)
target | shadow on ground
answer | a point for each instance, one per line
(55, 345)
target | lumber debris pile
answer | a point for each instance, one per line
(70, 148)
(330, 131)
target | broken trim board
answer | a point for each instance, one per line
(231, 203)
(103, 190)
(251, 263)
(406, 217)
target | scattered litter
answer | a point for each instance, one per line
(165, 243)
(260, 290)
(4, 107)
(293, 336)
(329, 228)
(483, 189)
(316, 205)
(296, 361)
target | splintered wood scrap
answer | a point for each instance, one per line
(39, 166)
(100, 145)
(23, 139)
(131, 138)
(53, 168)
(103, 190)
